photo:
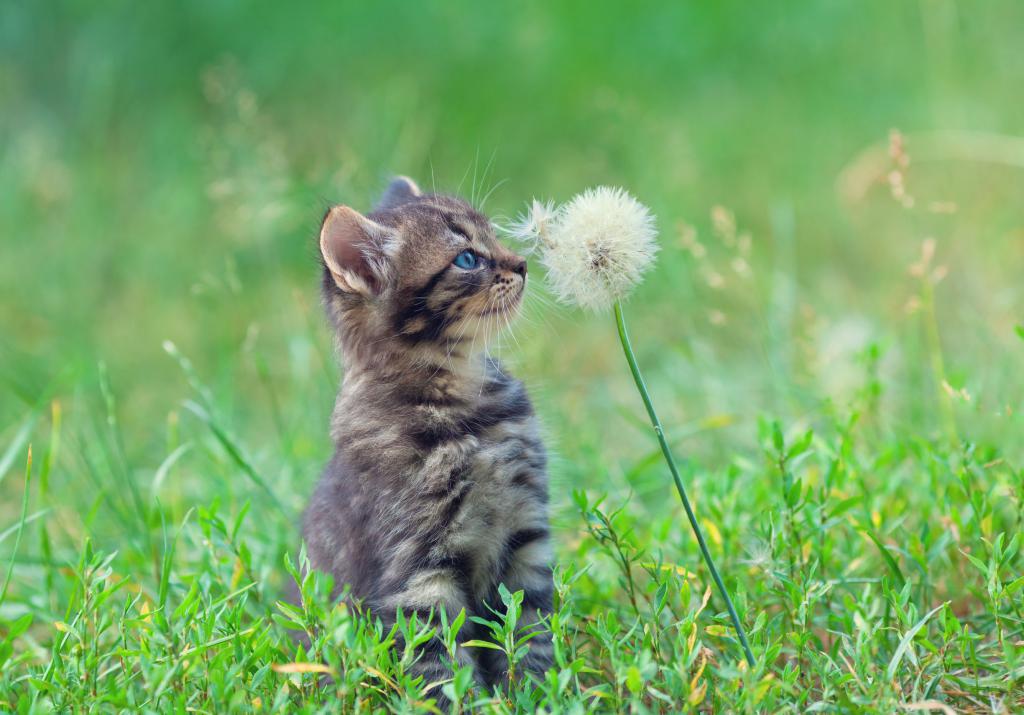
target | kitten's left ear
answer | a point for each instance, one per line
(356, 251)
(401, 190)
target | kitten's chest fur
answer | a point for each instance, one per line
(449, 474)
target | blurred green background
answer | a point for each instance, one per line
(164, 167)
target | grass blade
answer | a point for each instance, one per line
(888, 557)
(165, 467)
(907, 639)
(12, 451)
(21, 526)
(235, 452)
(12, 529)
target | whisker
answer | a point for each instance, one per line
(494, 188)
(483, 179)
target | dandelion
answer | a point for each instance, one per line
(601, 246)
(597, 249)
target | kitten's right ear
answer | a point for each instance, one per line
(356, 251)
(401, 190)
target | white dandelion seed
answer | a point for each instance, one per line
(598, 247)
(533, 226)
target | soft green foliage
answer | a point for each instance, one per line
(848, 395)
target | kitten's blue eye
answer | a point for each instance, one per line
(467, 260)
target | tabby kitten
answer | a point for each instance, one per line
(437, 491)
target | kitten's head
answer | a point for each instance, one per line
(421, 271)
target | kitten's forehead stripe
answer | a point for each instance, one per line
(458, 227)
(462, 239)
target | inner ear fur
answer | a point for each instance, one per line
(355, 251)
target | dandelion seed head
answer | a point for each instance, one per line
(598, 248)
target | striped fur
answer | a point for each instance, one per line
(437, 490)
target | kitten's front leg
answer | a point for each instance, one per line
(424, 572)
(425, 594)
(528, 555)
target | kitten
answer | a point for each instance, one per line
(437, 491)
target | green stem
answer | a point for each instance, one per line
(931, 323)
(627, 348)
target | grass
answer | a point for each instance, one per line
(848, 392)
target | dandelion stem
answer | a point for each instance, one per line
(627, 348)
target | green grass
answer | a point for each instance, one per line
(850, 413)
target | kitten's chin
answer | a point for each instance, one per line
(501, 311)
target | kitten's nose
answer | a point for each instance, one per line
(520, 267)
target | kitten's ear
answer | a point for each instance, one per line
(401, 190)
(356, 251)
